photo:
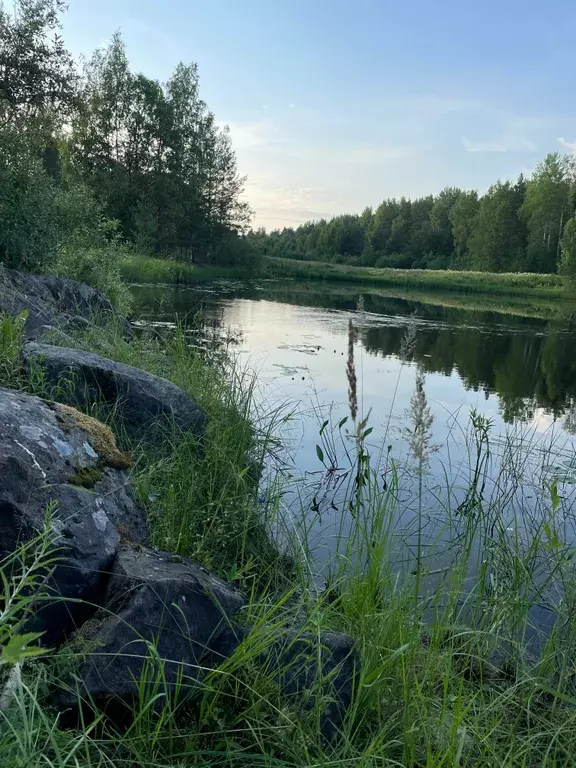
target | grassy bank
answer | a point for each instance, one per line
(455, 671)
(332, 294)
(150, 270)
(135, 268)
(525, 284)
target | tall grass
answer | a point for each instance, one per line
(149, 270)
(526, 284)
(11, 338)
(456, 669)
(202, 495)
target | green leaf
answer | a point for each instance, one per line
(16, 649)
(342, 422)
(323, 427)
(554, 497)
(554, 540)
(320, 453)
(368, 431)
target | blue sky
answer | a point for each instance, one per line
(336, 104)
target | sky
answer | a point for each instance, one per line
(335, 105)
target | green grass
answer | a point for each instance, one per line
(329, 294)
(448, 677)
(202, 499)
(147, 269)
(525, 284)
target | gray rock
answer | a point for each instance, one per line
(152, 598)
(309, 670)
(141, 400)
(40, 462)
(49, 301)
(188, 616)
(312, 670)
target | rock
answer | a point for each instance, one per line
(312, 669)
(41, 462)
(291, 660)
(140, 399)
(187, 615)
(50, 301)
(156, 598)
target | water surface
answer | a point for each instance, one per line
(514, 363)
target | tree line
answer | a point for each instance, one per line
(95, 153)
(523, 226)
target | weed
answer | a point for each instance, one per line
(11, 339)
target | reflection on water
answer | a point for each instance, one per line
(528, 363)
(516, 366)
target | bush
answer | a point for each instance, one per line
(90, 248)
(233, 250)
(28, 216)
(99, 267)
(45, 227)
(11, 339)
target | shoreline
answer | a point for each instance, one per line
(545, 304)
(504, 283)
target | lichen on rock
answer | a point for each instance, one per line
(101, 437)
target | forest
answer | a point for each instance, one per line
(94, 155)
(525, 226)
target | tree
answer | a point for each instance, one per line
(37, 77)
(545, 210)
(441, 223)
(157, 159)
(496, 243)
(381, 226)
(462, 217)
(567, 265)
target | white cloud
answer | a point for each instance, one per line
(252, 134)
(278, 207)
(500, 144)
(373, 155)
(569, 145)
(304, 163)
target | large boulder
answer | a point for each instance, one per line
(50, 459)
(158, 600)
(49, 301)
(312, 671)
(316, 671)
(139, 399)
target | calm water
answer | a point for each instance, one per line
(519, 371)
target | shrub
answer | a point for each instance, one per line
(11, 337)
(29, 224)
(99, 267)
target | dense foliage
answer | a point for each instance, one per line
(514, 227)
(94, 159)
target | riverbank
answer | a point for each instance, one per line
(451, 673)
(144, 269)
(135, 268)
(523, 298)
(331, 294)
(525, 284)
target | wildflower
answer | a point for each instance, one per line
(351, 373)
(408, 341)
(420, 436)
(360, 308)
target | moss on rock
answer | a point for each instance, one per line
(100, 436)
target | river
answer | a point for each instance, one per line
(514, 364)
